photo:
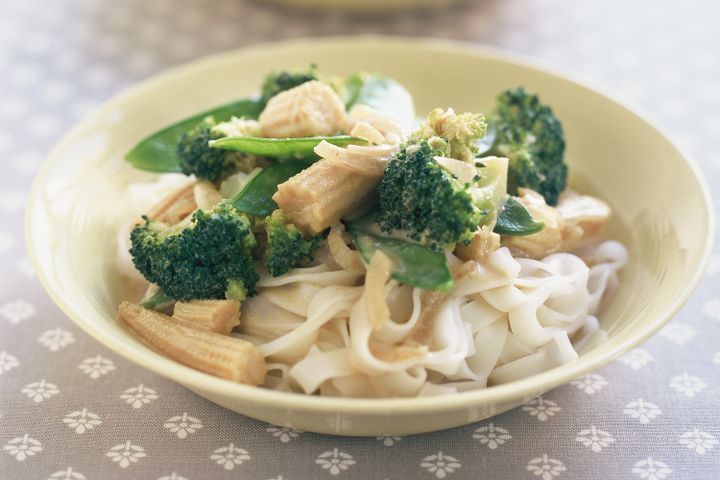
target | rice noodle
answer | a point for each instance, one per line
(506, 318)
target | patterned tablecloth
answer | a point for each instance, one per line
(72, 410)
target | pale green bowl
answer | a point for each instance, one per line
(661, 207)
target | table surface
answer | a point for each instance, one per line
(70, 409)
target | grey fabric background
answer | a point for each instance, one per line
(70, 409)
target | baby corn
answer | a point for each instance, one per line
(223, 356)
(219, 316)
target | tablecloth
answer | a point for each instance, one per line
(72, 410)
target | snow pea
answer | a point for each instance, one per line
(297, 148)
(256, 197)
(385, 95)
(158, 152)
(414, 264)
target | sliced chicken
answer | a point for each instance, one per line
(483, 243)
(365, 122)
(584, 218)
(576, 220)
(307, 110)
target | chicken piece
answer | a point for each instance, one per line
(365, 122)
(219, 316)
(483, 243)
(307, 110)
(584, 218)
(320, 195)
(546, 241)
(576, 220)
(220, 355)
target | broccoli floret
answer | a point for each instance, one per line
(286, 245)
(529, 134)
(212, 164)
(432, 206)
(454, 135)
(278, 82)
(209, 258)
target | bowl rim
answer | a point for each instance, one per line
(526, 388)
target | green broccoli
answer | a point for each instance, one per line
(209, 258)
(438, 202)
(531, 137)
(278, 82)
(286, 245)
(455, 136)
(212, 164)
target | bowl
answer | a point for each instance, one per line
(368, 7)
(662, 212)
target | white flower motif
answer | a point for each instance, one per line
(183, 424)
(642, 410)
(590, 383)
(230, 456)
(41, 390)
(335, 461)
(6, 242)
(126, 454)
(139, 396)
(24, 266)
(595, 438)
(12, 200)
(7, 362)
(56, 339)
(546, 467)
(492, 436)
(17, 311)
(651, 469)
(96, 366)
(285, 434)
(637, 358)
(82, 420)
(172, 476)
(23, 447)
(687, 384)
(699, 441)
(389, 440)
(678, 333)
(67, 474)
(711, 308)
(440, 464)
(541, 408)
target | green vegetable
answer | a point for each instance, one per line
(529, 134)
(158, 299)
(514, 219)
(286, 245)
(256, 197)
(414, 264)
(432, 206)
(281, 147)
(210, 258)
(158, 152)
(385, 95)
(277, 82)
(455, 136)
(197, 158)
